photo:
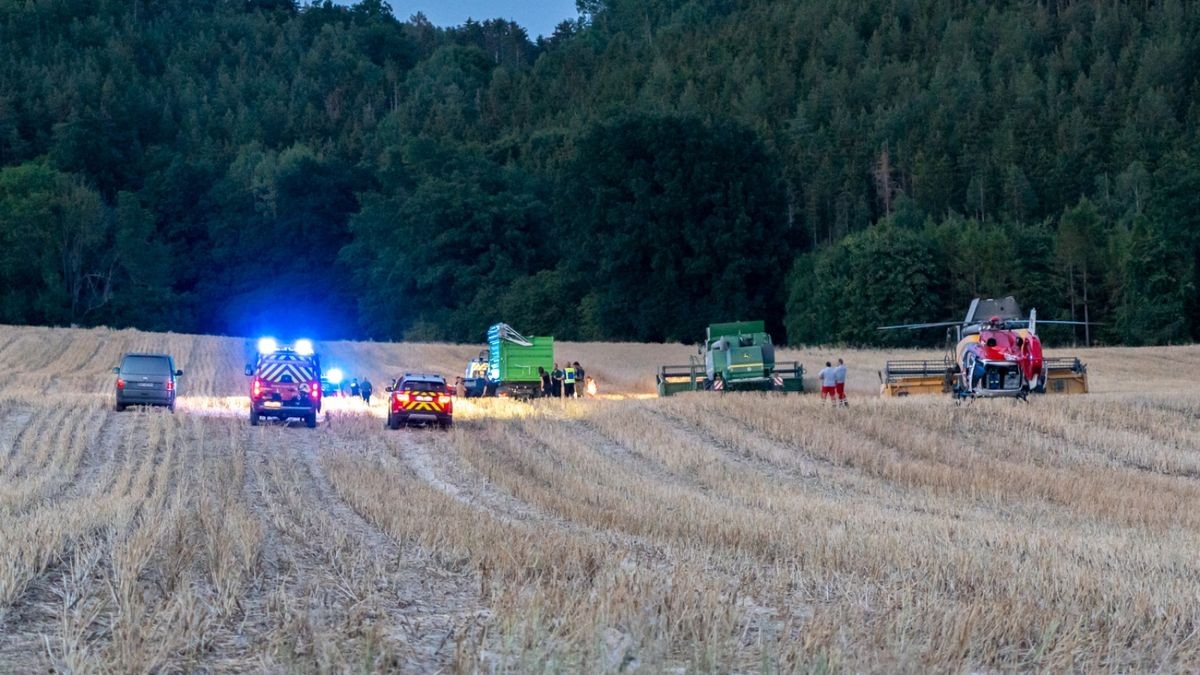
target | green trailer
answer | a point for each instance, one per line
(736, 356)
(513, 362)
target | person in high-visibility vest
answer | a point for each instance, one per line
(569, 381)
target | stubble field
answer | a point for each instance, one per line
(738, 532)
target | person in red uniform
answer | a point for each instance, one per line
(828, 378)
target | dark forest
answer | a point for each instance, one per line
(652, 166)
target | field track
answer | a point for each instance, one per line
(702, 532)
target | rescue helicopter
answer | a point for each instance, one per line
(994, 352)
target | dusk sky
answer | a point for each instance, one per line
(539, 17)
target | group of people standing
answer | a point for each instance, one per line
(362, 389)
(833, 382)
(567, 382)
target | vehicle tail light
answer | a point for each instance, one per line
(120, 383)
(443, 399)
(315, 389)
(170, 385)
(403, 396)
(256, 388)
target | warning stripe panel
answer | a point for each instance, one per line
(422, 406)
(275, 370)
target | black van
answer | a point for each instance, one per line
(146, 379)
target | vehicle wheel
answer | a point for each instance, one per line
(445, 426)
(119, 407)
(393, 422)
(253, 417)
(310, 420)
(171, 407)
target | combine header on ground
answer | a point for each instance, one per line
(738, 356)
(993, 352)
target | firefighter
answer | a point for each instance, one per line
(366, 389)
(354, 388)
(556, 381)
(569, 380)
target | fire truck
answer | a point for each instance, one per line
(286, 382)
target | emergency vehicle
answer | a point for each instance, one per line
(286, 382)
(420, 399)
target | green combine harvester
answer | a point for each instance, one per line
(738, 356)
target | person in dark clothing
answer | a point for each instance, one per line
(366, 389)
(547, 387)
(580, 378)
(354, 388)
(556, 381)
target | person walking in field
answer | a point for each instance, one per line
(839, 378)
(367, 389)
(590, 387)
(828, 378)
(354, 388)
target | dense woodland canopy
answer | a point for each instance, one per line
(830, 165)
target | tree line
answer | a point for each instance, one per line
(652, 166)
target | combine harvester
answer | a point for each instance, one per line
(738, 356)
(994, 352)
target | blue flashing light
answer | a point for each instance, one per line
(267, 345)
(334, 376)
(304, 347)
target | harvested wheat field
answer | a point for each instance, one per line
(706, 532)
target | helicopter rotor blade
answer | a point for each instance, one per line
(1072, 323)
(914, 326)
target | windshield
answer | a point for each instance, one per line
(146, 365)
(423, 385)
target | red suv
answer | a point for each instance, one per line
(420, 399)
(286, 384)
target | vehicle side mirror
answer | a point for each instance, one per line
(390, 389)
(179, 373)
(116, 370)
(249, 371)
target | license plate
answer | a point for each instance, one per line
(425, 398)
(273, 404)
(145, 384)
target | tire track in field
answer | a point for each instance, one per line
(340, 568)
(429, 456)
(453, 478)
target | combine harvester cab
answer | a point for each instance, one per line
(738, 356)
(513, 362)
